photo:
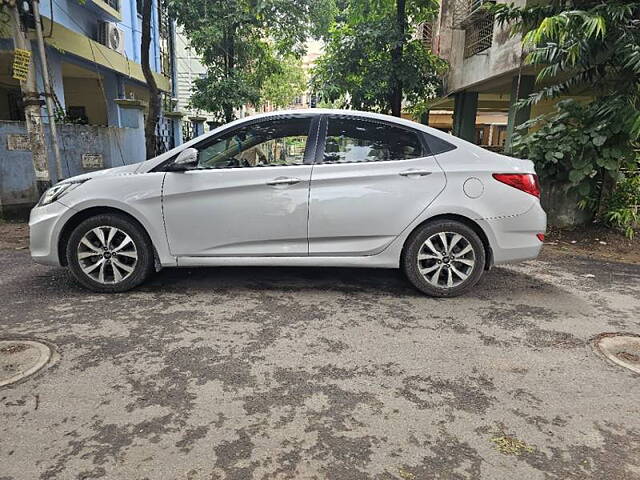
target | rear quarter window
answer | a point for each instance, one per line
(438, 145)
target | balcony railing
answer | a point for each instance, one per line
(465, 11)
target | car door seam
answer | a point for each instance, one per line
(164, 221)
(313, 164)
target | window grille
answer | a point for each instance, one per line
(188, 131)
(164, 40)
(478, 34)
(425, 34)
(465, 10)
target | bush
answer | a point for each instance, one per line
(624, 205)
(579, 145)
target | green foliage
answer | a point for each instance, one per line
(587, 47)
(241, 43)
(580, 44)
(578, 144)
(281, 88)
(623, 209)
(360, 68)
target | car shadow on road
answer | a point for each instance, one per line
(355, 280)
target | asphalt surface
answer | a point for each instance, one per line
(329, 374)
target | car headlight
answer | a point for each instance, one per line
(57, 191)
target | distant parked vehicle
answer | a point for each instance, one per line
(299, 188)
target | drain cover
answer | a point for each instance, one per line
(21, 358)
(623, 349)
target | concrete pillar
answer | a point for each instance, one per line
(176, 126)
(517, 116)
(112, 86)
(465, 109)
(198, 125)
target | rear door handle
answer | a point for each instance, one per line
(283, 181)
(417, 173)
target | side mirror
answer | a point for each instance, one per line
(187, 159)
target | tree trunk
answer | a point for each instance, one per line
(154, 93)
(230, 63)
(396, 59)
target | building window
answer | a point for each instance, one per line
(77, 115)
(165, 40)
(16, 107)
(113, 4)
(478, 34)
(477, 23)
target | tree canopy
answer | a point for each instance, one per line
(373, 61)
(243, 42)
(587, 45)
(281, 88)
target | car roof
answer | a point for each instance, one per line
(306, 112)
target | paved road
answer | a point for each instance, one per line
(327, 374)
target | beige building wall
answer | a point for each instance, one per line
(496, 63)
(87, 93)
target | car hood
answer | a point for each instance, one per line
(108, 172)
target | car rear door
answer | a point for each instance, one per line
(370, 180)
(249, 196)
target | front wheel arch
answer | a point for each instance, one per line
(459, 218)
(82, 215)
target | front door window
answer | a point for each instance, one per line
(271, 143)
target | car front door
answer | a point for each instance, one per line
(370, 180)
(249, 194)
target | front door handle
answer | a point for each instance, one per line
(283, 181)
(417, 173)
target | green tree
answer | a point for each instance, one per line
(240, 42)
(372, 61)
(281, 88)
(581, 47)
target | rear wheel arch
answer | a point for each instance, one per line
(458, 218)
(82, 215)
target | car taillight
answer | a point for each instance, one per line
(527, 182)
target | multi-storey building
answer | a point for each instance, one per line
(487, 73)
(94, 63)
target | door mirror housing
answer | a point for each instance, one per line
(187, 159)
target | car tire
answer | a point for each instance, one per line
(109, 253)
(444, 258)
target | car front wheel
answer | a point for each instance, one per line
(444, 258)
(109, 253)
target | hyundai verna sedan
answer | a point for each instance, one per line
(298, 188)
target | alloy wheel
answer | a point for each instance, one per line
(107, 254)
(446, 259)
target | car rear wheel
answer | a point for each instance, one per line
(444, 258)
(109, 253)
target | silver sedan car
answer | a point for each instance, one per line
(298, 188)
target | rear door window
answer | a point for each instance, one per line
(351, 140)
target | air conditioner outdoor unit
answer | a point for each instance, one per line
(111, 36)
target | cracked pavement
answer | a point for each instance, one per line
(287, 373)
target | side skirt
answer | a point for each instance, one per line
(372, 261)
